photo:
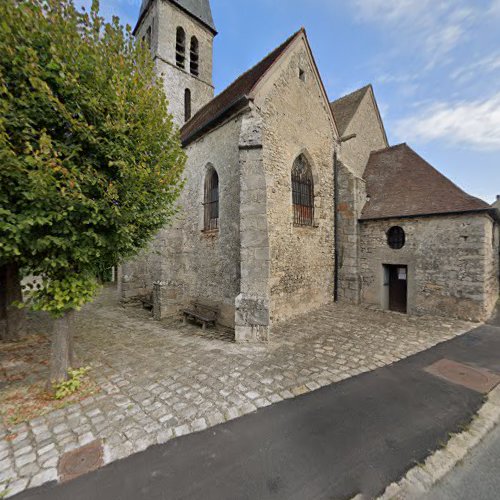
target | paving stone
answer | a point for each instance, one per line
(25, 459)
(44, 477)
(181, 430)
(17, 486)
(199, 425)
(160, 380)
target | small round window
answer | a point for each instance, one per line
(396, 237)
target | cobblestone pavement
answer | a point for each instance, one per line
(162, 380)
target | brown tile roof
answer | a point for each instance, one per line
(233, 98)
(400, 183)
(345, 108)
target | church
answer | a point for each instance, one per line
(293, 201)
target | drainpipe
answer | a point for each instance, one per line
(335, 228)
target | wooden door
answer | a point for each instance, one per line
(398, 288)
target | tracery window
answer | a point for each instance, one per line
(180, 48)
(302, 192)
(211, 200)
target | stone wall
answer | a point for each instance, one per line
(353, 157)
(365, 124)
(165, 17)
(297, 120)
(351, 198)
(197, 265)
(492, 249)
(252, 320)
(449, 265)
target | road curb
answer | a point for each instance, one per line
(418, 480)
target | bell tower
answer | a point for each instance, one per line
(180, 34)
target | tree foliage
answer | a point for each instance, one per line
(90, 161)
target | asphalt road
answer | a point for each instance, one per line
(353, 437)
(477, 477)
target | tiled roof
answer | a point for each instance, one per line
(400, 183)
(233, 97)
(345, 108)
(199, 9)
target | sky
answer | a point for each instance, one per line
(434, 66)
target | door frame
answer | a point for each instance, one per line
(386, 286)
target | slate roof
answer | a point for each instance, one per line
(345, 108)
(233, 97)
(199, 9)
(400, 183)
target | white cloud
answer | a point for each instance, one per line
(474, 124)
(495, 8)
(488, 64)
(434, 27)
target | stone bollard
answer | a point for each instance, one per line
(159, 297)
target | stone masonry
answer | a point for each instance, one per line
(447, 260)
(297, 120)
(164, 18)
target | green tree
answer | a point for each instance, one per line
(91, 163)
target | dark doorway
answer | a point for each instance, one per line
(398, 288)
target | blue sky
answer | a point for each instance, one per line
(434, 65)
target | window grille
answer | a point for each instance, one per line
(180, 48)
(211, 202)
(187, 105)
(396, 237)
(302, 193)
(194, 57)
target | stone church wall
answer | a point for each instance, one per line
(209, 262)
(369, 137)
(449, 261)
(353, 157)
(296, 121)
(351, 198)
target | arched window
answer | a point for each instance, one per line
(194, 57)
(187, 105)
(302, 192)
(396, 237)
(180, 48)
(211, 201)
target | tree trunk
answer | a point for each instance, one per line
(12, 319)
(3, 305)
(62, 349)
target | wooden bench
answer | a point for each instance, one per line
(202, 314)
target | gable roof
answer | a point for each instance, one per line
(199, 9)
(233, 97)
(400, 183)
(345, 108)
